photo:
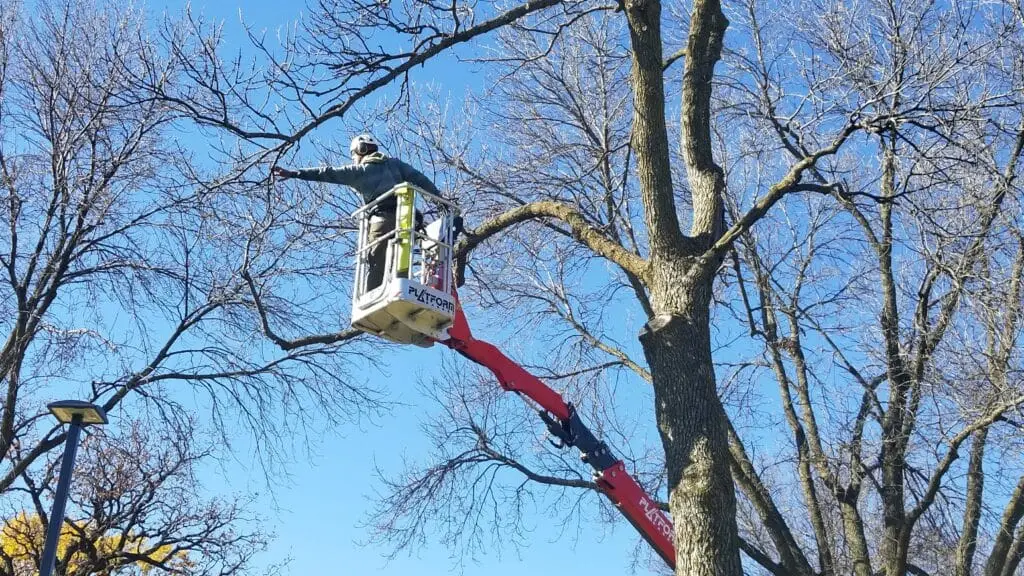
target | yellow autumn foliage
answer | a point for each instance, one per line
(22, 539)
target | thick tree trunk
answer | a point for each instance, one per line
(894, 441)
(677, 345)
(972, 508)
(853, 526)
(677, 340)
(650, 134)
(1014, 557)
(1012, 515)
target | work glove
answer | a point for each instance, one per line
(283, 173)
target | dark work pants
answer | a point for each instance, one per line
(381, 224)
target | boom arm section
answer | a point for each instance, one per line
(564, 422)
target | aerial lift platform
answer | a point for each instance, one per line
(417, 303)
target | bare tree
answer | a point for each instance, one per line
(133, 510)
(927, 219)
(130, 277)
(938, 173)
(897, 122)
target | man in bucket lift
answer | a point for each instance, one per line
(371, 174)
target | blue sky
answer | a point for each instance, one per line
(317, 512)
(317, 508)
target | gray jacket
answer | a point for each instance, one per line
(374, 176)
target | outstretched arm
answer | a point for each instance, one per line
(341, 175)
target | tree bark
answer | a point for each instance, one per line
(791, 558)
(677, 340)
(650, 134)
(894, 551)
(972, 509)
(691, 420)
(1012, 515)
(853, 527)
(1014, 557)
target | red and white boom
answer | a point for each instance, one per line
(564, 423)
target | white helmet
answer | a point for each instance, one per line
(362, 145)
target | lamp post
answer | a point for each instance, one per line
(78, 414)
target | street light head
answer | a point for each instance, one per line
(66, 410)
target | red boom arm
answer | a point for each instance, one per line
(562, 420)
